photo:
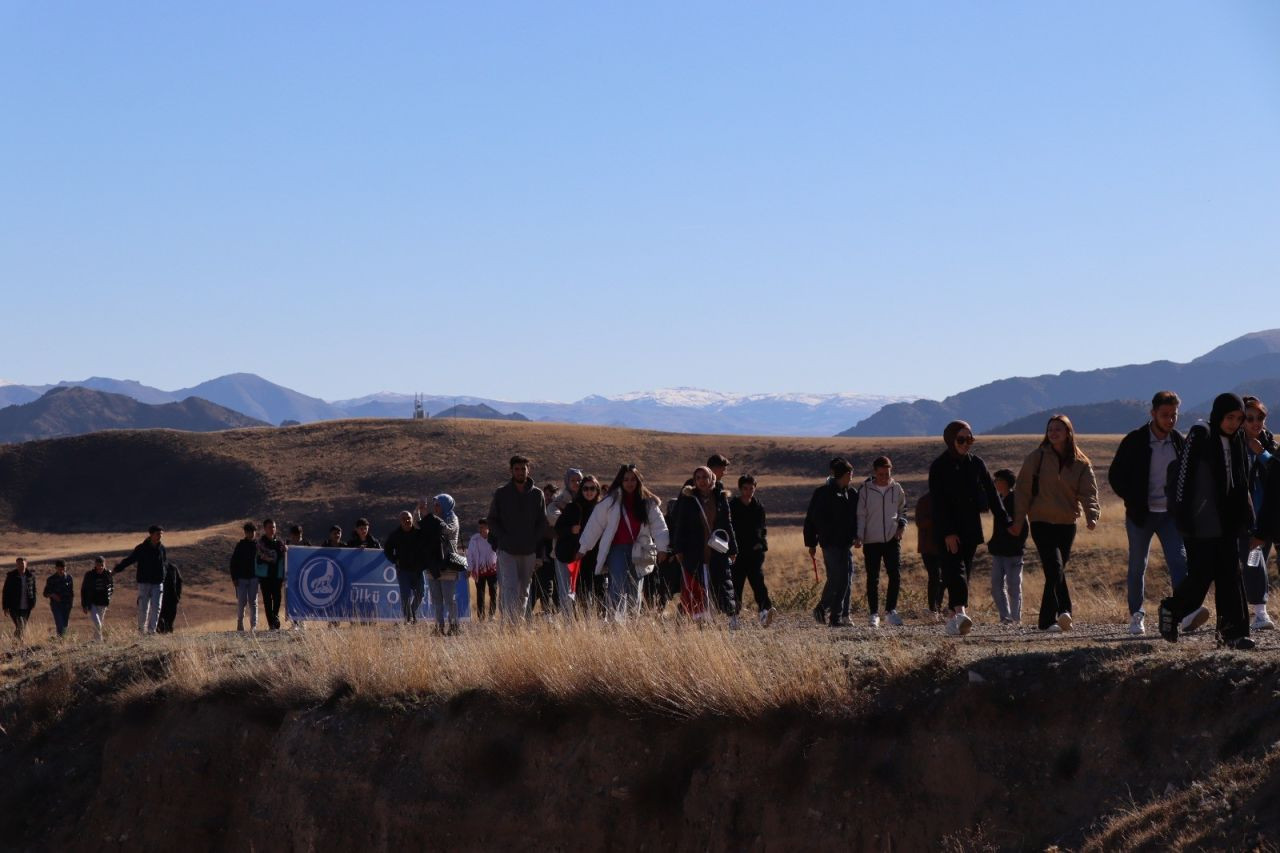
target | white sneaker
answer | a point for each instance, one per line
(766, 618)
(1194, 620)
(874, 620)
(1053, 629)
(733, 623)
(964, 624)
(1138, 624)
(1064, 621)
(1262, 622)
(894, 618)
(953, 626)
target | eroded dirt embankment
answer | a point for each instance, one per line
(1014, 752)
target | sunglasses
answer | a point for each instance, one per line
(965, 439)
(1255, 419)
(590, 488)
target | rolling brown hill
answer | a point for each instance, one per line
(333, 471)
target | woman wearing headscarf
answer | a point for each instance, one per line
(961, 489)
(439, 531)
(629, 514)
(1056, 480)
(701, 515)
(1209, 495)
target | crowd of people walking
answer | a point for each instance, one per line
(1212, 498)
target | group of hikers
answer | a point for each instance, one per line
(1212, 498)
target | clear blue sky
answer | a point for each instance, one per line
(547, 200)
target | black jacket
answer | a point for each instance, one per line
(689, 533)
(749, 525)
(354, 541)
(962, 490)
(832, 518)
(150, 559)
(405, 550)
(574, 514)
(63, 587)
(96, 589)
(243, 559)
(517, 519)
(1204, 503)
(1130, 471)
(12, 596)
(1001, 544)
(437, 546)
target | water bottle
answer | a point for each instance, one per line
(1256, 560)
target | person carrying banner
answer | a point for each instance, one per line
(517, 521)
(404, 550)
(269, 564)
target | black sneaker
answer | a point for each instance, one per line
(1241, 644)
(1168, 622)
(819, 615)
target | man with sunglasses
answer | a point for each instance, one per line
(1137, 475)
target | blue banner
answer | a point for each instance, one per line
(352, 584)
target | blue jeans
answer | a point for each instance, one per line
(1159, 524)
(624, 589)
(835, 593)
(61, 615)
(564, 589)
(411, 591)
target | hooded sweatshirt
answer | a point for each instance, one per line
(1209, 487)
(882, 511)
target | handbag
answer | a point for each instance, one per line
(644, 551)
(717, 540)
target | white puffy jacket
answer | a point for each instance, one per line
(602, 526)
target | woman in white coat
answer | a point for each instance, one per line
(628, 520)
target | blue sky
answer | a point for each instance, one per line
(548, 200)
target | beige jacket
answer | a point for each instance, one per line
(1060, 493)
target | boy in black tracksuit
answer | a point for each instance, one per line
(831, 522)
(748, 519)
(1006, 552)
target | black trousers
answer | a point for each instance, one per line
(542, 588)
(489, 583)
(873, 553)
(1053, 543)
(956, 569)
(271, 599)
(1213, 561)
(749, 568)
(933, 567)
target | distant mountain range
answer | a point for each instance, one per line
(1102, 398)
(673, 410)
(67, 410)
(1250, 363)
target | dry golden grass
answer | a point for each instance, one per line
(655, 666)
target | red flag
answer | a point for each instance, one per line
(574, 568)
